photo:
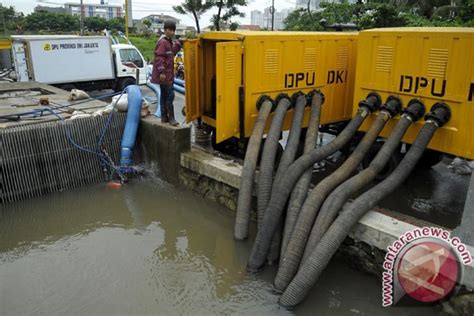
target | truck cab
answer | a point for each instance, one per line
(130, 66)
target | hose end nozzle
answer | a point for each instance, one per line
(295, 97)
(372, 102)
(281, 97)
(265, 98)
(393, 105)
(440, 113)
(311, 94)
(415, 109)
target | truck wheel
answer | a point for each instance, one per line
(123, 83)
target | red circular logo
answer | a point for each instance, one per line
(428, 271)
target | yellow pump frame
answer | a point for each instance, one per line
(429, 64)
(246, 65)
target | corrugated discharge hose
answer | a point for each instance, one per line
(284, 186)
(312, 268)
(242, 217)
(292, 256)
(287, 158)
(267, 162)
(301, 189)
(342, 193)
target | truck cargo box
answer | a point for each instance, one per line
(430, 64)
(61, 59)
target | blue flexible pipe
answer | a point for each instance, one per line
(156, 88)
(131, 125)
(178, 88)
(179, 82)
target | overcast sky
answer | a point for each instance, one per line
(143, 8)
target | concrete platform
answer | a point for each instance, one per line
(21, 97)
(376, 228)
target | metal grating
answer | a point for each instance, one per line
(342, 57)
(310, 59)
(437, 62)
(38, 159)
(271, 61)
(384, 59)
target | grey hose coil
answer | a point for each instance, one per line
(244, 201)
(283, 188)
(342, 193)
(287, 158)
(296, 245)
(312, 268)
(301, 189)
(293, 138)
(267, 162)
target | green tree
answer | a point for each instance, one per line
(116, 24)
(427, 7)
(226, 10)
(43, 21)
(302, 20)
(337, 12)
(382, 15)
(95, 23)
(147, 23)
(195, 7)
(10, 20)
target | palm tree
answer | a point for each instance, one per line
(195, 7)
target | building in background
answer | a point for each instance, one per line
(256, 18)
(264, 19)
(157, 24)
(106, 11)
(314, 4)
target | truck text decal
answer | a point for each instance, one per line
(294, 80)
(413, 84)
(471, 92)
(337, 76)
(61, 46)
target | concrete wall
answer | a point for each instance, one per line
(161, 145)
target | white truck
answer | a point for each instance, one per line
(83, 62)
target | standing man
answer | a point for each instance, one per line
(163, 71)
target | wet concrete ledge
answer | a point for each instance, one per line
(161, 146)
(376, 229)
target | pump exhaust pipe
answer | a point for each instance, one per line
(342, 193)
(312, 268)
(283, 187)
(291, 259)
(244, 201)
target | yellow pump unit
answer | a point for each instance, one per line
(226, 73)
(429, 64)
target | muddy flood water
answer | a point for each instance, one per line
(149, 249)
